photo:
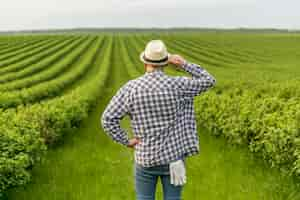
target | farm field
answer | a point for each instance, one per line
(53, 89)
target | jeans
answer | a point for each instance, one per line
(146, 179)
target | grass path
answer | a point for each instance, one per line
(89, 166)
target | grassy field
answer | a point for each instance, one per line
(80, 74)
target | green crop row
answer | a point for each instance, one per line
(233, 45)
(27, 131)
(128, 60)
(231, 51)
(216, 51)
(16, 46)
(22, 56)
(52, 88)
(203, 52)
(25, 63)
(31, 46)
(54, 54)
(247, 44)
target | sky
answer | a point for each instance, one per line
(53, 14)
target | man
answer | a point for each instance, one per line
(162, 118)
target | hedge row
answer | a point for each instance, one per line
(265, 117)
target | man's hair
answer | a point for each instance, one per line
(159, 66)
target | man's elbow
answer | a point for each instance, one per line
(213, 81)
(209, 83)
(108, 124)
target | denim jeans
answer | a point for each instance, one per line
(146, 179)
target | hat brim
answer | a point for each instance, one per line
(153, 63)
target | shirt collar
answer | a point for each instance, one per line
(156, 71)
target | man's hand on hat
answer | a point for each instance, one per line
(176, 60)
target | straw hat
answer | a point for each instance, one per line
(155, 53)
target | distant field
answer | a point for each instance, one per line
(55, 85)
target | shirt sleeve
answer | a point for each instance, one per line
(200, 81)
(116, 109)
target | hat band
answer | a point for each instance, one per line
(155, 61)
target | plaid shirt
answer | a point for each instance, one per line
(161, 112)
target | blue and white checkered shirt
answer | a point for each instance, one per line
(161, 112)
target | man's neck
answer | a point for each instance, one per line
(152, 69)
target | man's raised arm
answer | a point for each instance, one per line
(201, 80)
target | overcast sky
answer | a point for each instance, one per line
(44, 14)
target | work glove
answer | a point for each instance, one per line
(177, 173)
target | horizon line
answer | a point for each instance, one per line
(149, 28)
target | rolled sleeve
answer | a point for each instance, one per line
(200, 82)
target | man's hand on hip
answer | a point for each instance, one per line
(133, 142)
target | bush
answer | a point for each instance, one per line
(267, 122)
